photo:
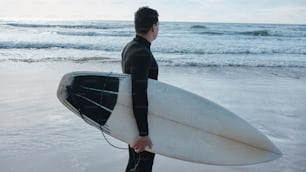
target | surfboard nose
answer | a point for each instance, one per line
(277, 151)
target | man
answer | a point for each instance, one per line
(139, 62)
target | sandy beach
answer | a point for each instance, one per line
(37, 133)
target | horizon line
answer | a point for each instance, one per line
(129, 20)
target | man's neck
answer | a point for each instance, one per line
(146, 37)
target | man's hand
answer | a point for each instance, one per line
(141, 142)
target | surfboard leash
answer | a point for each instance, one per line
(117, 147)
(101, 128)
(102, 131)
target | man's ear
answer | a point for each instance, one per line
(152, 28)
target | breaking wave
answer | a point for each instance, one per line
(107, 48)
(258, 33)
(32, 45)
(62, 59)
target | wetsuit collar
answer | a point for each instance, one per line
(143, 41)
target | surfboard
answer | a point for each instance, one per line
(182, 125)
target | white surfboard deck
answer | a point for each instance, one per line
(182, 125)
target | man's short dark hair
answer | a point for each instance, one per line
(145, 17)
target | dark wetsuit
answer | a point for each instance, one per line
(138, 60)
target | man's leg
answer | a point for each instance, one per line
(140, 162)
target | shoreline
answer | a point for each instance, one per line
(39, 134)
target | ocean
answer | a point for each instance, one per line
(178, 44)
(258, 71)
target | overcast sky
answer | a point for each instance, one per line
(242, 11)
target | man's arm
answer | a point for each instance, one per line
(139, 72)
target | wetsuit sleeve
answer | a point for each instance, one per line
(139, 72)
